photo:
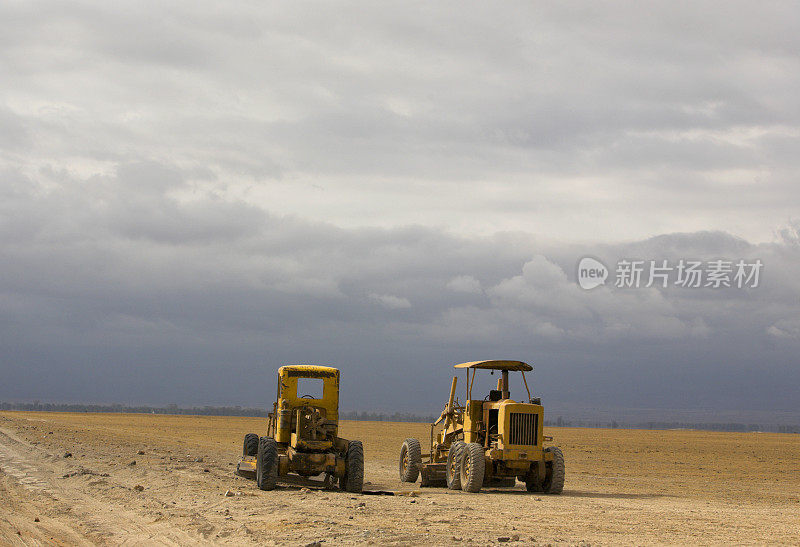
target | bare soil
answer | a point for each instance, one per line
(622, 487)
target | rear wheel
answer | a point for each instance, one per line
(554, 480)
(453, 461)
(267, 463)
(353, 479)
(410, 460)
(250, 446)
(473, 465)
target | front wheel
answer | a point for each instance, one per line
(473, 466)
(353, 479)
(410, 460)
(267, 463)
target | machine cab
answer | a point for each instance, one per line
(306, 412)
(499, 421)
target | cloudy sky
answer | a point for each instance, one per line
(196, 193)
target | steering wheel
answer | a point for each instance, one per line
(306, 397)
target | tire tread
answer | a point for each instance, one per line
(250, 445)
(454, 481)
(474, 463)
(267, 463)
(411, 448)
(554, 484)
(353, 479)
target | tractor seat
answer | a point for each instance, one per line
(495, 395)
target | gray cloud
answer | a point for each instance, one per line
(379, 115)
(192, 195)
(146, 287)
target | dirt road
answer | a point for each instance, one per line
(110, 478)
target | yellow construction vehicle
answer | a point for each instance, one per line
(302, 433)
(491, 441)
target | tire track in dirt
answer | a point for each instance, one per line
(24, 473)
(624, 487)
(83, 516)
(23, 523)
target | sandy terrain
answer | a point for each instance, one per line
(623, 486)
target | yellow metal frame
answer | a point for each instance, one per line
(495, 364)
(289, 401)
(470, 420)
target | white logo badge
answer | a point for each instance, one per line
(591, 273)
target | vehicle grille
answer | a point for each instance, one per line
(523, 429)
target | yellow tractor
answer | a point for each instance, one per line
(491, 441)
(302, 433)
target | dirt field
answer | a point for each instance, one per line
(623, 486)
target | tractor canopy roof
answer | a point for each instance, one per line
(308, 371)
(497, 365)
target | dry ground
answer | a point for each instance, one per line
(623, 486)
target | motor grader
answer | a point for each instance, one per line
(303, 434)
(491, 441)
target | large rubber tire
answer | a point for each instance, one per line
(250, 446)
(554, 480)
(453, 462)
(410, 460)
(472, 468)
(267, 463)
(353, 479)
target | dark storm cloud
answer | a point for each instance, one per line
(103, 289)
(191, 195)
